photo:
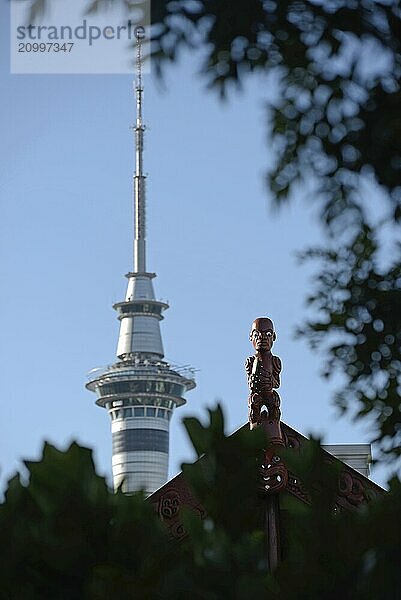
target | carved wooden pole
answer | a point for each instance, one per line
(272, 532)
(263, 370)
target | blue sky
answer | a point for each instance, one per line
(222, 255)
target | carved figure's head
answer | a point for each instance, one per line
(262, 334)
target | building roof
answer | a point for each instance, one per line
(354, 488)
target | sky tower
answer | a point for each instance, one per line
(140, 390)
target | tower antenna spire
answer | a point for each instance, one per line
(139, 177)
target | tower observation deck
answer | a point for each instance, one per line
(140, 390)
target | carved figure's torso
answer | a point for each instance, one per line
(264, 376)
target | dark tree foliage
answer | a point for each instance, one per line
(337, 113)
(362, 301)
(65, 535)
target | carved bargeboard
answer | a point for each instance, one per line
(354, 489)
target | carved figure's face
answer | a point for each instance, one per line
(262, 334)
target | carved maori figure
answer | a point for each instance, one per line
(274, 473)
(263, 372)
